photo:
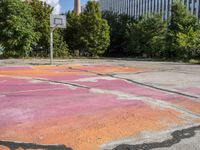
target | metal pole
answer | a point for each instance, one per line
(51, 46)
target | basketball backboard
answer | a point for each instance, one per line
(58, 21)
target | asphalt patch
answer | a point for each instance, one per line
(177, 136)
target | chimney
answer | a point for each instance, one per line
(77, 7)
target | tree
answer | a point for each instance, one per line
(95, 37)
(41, 13)
(147, 36)
(119, 24)
(87, 33)
(180, 22)
(72, 33)
(17, 28)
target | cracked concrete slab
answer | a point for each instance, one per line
(179, 82)
(99, 104)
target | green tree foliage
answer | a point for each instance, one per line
(180, 23)
(95, 30)
(119, 24)
(41, 12)
(147, 37)
(189, 43)
(177, 37)
(1, 50)
(16, 28)
(25, 29)
(72, 33)
(61, 49)
(88, 33)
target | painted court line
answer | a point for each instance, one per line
(37, 90)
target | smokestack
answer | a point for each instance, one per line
(77, 6)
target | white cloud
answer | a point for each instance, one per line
(55, 4)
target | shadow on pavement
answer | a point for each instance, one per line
(26, 146)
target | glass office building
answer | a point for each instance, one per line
(137, 8)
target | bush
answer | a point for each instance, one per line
(1, 50)
(189, 44)
(61, 49)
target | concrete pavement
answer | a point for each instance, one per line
(99, 104)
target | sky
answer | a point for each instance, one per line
(63, 5)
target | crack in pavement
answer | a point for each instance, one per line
(158, 88)
(177, 136)
(139, 83)
(16, 145)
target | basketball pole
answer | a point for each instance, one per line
(51, 46)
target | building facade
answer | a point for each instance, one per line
(137, 8)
